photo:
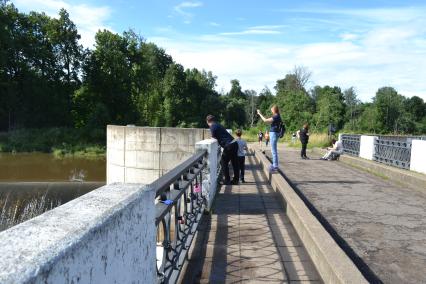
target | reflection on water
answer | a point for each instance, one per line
(33, 183)
(45, 167)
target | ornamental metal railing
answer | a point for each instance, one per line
(179, 208)
(401, 138)
(351, 144)
(393, 151)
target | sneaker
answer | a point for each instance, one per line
(226, 182)
(307, 158)
(243, 181)
(235, 182)
(273, 170)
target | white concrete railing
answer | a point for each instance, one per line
(212, 171)
(417, 155)
(105, 236)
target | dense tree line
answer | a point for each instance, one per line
(47, 79)
(389, 112)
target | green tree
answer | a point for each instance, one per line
(236, 91)
(330, 107)
(390, 109)
(352, 108)
(296, 106)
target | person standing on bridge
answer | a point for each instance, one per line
(303, 135)
(242, 148)
(274, 133)
(230, 149)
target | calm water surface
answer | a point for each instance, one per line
(45, 167)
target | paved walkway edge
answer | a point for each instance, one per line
(412, 179)
(332, 263)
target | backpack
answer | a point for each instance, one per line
(282, 130)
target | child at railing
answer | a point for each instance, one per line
(242, 148)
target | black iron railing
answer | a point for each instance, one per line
(393, 151)
(351, 144)
(180, 205)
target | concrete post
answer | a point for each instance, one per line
(418, 156)
(366, 147)
(209, 184)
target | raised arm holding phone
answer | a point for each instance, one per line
(275, 122)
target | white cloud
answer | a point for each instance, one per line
(349, 36)
(369, 62)
(370, 48)
(256, 30)
(182, 8)
(251, 32)
(214, 24)
(89, 19)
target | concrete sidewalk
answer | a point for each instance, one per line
(249, 239)
(382, 223)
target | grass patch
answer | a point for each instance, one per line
(319, 140)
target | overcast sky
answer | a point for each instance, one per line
(362, 43)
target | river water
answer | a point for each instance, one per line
(33, 183)
(46, 167)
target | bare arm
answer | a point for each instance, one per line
(267, 120)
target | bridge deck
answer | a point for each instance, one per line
(249, 239)
(384, 223)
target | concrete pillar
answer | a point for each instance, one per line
(177, 144)
(143, 154)
(418, 156)
(116, 137)
(210, 175)
(366, 147)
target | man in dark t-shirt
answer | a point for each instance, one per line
(230, 149)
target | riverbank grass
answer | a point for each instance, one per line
(61, 142)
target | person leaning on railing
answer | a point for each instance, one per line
(230, 149)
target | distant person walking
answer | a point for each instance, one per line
(260, 138)
(230, 149)
(242, 148)
(303, 135)
(293, 138)
(275, 122)
(267, 138)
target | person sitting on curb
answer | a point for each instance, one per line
(333, 152)
(230, 149)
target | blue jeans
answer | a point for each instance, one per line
(274, 140)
